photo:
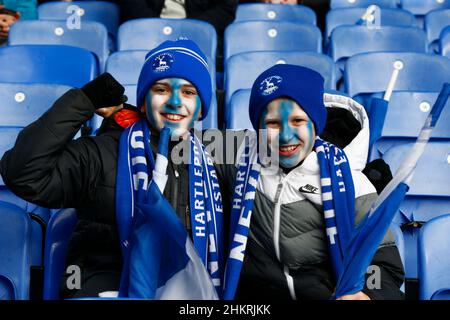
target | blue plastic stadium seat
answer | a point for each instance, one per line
(435, 23)
(444, 42)
(239, 117)
(422, 7)
(434, 260)
(405, 117)
(91, 36)
(428, 196)
(24, 103)
(369, 73)
(15, 247)
(347, 41)
(47, 64)
(271, 35)
(106, 13)
(362, 3)
(146, 34)
(243, 69)
(58, 234)
(38, 214)
(126, 66)
(267, 11)
(350, 16)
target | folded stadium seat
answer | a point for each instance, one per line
(420, 8)
(347, 41)
(435, 23)
(267, 11)
(107, 13)
(146, 34)
(434, 260)
(243, 69)
(362, 3)
(369, 73)
(427, 198)
(91, 36)
(15, 247)
(405, 117)
(126, 66)
(350, 16)
(59, 232)
(444, 42)
(51, 64)
(249, 36)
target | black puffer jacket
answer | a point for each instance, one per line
(48, 168)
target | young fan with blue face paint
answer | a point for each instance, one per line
(291, 223)
(107, 176)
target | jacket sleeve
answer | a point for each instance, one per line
(386, 274)
(46, 166)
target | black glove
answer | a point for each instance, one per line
(105, 91)
(379, 173)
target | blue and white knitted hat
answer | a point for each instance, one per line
(176, 59)
(303, 85)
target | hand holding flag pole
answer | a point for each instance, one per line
(371, 230)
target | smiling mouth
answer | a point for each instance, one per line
(287, 151)
(173, 117)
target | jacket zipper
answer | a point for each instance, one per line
(276, 236)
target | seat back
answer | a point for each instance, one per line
(268, 11)
(92, 36)
(271, 35)
(405, 117)
(347, 41)
(369, 73)
(435, 23)
(350, 16)
(24, 103)
(362, 3)
(58, 234)
(50, 64)
(422, 7)
(444, 42)
(434, 260)
(106, 13)
(239, 117)
(243, 69)
(15, 247)
(146, 34)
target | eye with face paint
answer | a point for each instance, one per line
(290, 126)
(173, 103)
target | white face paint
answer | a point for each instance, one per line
(174, 103)
(286, 122)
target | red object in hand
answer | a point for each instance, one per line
(127, 117)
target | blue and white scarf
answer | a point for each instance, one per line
(135, 166)
(338, 196)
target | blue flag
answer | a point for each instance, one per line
(371, 230)
(163, 262)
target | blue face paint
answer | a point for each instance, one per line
(175, 103)
(295, 141)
